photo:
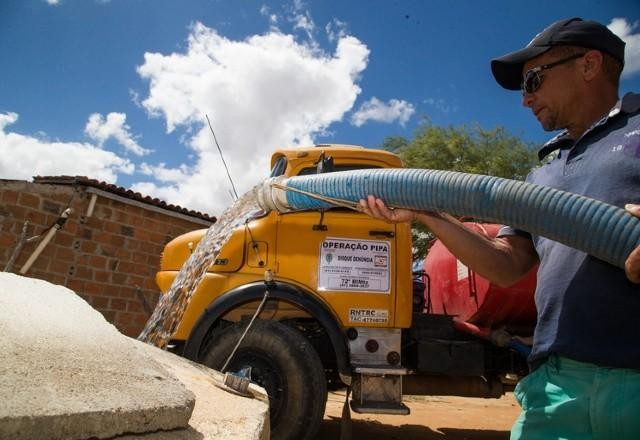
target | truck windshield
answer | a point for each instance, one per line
(279, 167)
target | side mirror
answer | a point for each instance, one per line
(324, 164)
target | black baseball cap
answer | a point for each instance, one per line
(569, 32)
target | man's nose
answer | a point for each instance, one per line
(527, 99)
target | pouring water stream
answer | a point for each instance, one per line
(171, 306)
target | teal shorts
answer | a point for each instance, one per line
(566, 399)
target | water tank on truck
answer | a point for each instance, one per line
(455, 290)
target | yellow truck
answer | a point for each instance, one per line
(344, 308)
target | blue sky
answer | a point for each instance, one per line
(118, 90)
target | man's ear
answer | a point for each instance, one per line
(592, 64)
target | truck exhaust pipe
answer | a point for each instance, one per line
(605, 231)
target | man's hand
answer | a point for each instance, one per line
(632, 265)
(377, 209)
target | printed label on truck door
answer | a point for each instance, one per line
(369, 316)
(354, 265)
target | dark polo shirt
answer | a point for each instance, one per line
(587, 309)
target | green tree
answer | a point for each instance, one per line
(465, 149)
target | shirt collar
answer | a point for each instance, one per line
(630, 103)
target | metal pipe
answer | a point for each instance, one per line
(16, 252)
(92, 205)
(45, 241)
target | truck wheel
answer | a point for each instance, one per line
(285, 364)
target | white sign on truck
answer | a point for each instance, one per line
(354, 265)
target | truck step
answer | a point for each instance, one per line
(378, 390)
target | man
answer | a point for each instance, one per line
(585, 360)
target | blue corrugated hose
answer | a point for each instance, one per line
(602, 230)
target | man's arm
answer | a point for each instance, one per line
(502, 261)
(632, 265)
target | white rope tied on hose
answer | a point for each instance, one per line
(334, 201)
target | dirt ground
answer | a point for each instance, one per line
(431, 418)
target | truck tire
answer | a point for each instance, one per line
(285, 364)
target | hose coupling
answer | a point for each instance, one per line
(270, 198)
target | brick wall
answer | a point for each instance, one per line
(109, 258)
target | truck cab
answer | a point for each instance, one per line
(337, 304)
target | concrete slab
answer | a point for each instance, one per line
(218, 414)
(66, 373)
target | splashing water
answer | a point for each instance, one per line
(171, 307)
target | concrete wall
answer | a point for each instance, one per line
(108, 256)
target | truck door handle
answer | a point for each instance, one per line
(389, 234)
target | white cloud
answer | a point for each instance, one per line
(441, 105)
(53, 2)
(295, 14)
(304, 22)
(7, 119)
(301, 17)
(22, 157)
(336, 29)
(114, 126)
(376, 110)
(164, 174)
(624, 30)
(262, 93)
(273, 18)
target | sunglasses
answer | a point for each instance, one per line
(532, 79)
